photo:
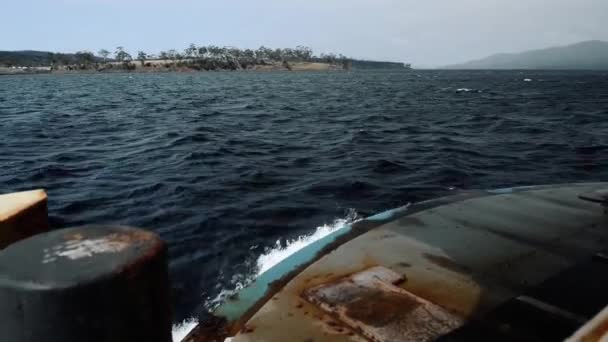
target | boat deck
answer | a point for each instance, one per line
(495, 265)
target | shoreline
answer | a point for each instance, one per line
(162, 67)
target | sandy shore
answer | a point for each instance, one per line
(153, 66)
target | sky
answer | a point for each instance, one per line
(425, 33)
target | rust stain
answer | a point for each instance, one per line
(401, 280)
(248, 329)
(132, 237)
(379, 308)
(447, 263)
(73, 237)
(332, 323)
(451, 298)
(386, 236)
(330, 326)
(155, 249)
(367, 304)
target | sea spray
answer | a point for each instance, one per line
(271, 256)
(182, 329)
(280, 252)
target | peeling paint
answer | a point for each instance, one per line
(78, 249)
(369, 303)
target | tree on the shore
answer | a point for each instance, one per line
(202, 51)
(214, 57)
(104, 54)
(303, 52)
(142, 56)
(329, 58)
(85, 58)
(263, 53)
(172, 54)
(191, 51)
(121, 55)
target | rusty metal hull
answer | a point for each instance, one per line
(460, 257)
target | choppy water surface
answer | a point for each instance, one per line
(222, 165)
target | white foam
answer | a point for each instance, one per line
(466, 90)
(181, 330)
(268, 259)
(280, 252)
(527, 80)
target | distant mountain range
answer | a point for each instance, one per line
(591, 55)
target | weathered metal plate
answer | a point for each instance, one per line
(371, 304)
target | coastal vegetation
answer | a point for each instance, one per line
(192, 58)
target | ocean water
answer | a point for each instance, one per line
(236, 170)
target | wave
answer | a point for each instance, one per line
(280, 251)
(467, 90)
(271, 257)
(182, 329)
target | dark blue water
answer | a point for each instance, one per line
(222, 165)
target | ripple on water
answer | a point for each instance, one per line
(222, 165)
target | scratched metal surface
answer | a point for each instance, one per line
(465, 256)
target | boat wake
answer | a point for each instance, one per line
(280, 251)
(182, 329)
(271, 256)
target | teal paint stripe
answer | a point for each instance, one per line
(383, 216)
(501, 191)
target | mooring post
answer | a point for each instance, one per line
(91, 283)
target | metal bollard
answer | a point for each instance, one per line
(91, 283)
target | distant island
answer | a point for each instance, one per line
(193, 58)
(588, 55)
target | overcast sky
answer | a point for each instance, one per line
(423, 32)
